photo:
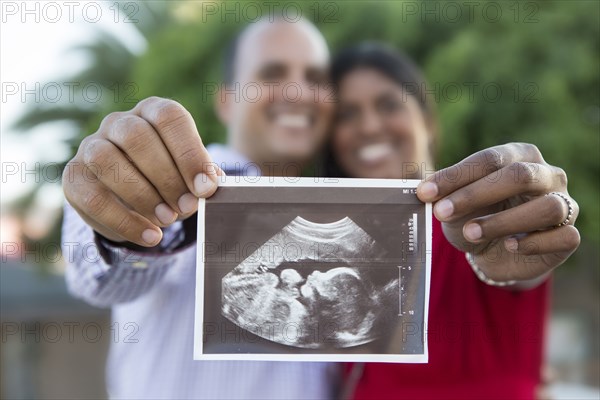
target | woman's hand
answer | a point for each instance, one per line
(504, 206)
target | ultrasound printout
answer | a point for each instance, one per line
(313, 269)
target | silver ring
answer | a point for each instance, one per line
(482, 277)
(569, 205)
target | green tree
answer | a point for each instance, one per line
(531, 75)
(110, 67)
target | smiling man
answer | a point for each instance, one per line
(281, 117)
(142, 227)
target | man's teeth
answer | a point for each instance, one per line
(374, 152)
(293, 121)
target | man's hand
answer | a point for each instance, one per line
(494, 204)
(143, 169)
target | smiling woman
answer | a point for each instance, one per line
(383, 91)
(383, 124)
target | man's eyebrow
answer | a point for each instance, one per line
(273, 65)
(318, 74)
(320, 69)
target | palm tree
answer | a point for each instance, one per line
(109, 68)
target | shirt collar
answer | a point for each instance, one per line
(231, 161)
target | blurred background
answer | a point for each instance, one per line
(499, 71)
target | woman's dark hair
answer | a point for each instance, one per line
(396, 66)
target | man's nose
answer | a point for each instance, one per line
(300, 90)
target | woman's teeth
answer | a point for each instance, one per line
(294, 121)
(374, 152)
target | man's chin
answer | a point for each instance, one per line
(292, 157)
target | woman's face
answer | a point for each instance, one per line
(380, 131)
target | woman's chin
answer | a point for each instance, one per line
(386, 169)
(379, 172)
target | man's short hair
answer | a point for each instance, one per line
(233, 45)
(229, 58)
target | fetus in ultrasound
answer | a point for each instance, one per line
(305, 299)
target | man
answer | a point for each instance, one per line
(162, 169)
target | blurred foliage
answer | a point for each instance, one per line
(109, 67)
(530, 73)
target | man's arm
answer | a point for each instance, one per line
(105, 274)
(127, 186)
(141, 171)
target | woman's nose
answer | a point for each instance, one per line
(371, 124)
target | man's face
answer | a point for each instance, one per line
(284, 105)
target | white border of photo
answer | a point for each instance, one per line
(253, 181)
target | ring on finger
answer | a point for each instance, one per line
(569, 206)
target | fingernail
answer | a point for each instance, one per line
(187, 203)
(444, 209)
(473, 232)
(428, 190)
(151, 236)
(165, 214)
(203, 184)
(210, 169)
(511, 245)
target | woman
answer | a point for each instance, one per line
(484, 341)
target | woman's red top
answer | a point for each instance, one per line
(485, 342)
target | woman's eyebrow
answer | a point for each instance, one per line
(387, 95)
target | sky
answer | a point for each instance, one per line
(36, 48)
(36, 38)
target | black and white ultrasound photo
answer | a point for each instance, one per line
(322, 270)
